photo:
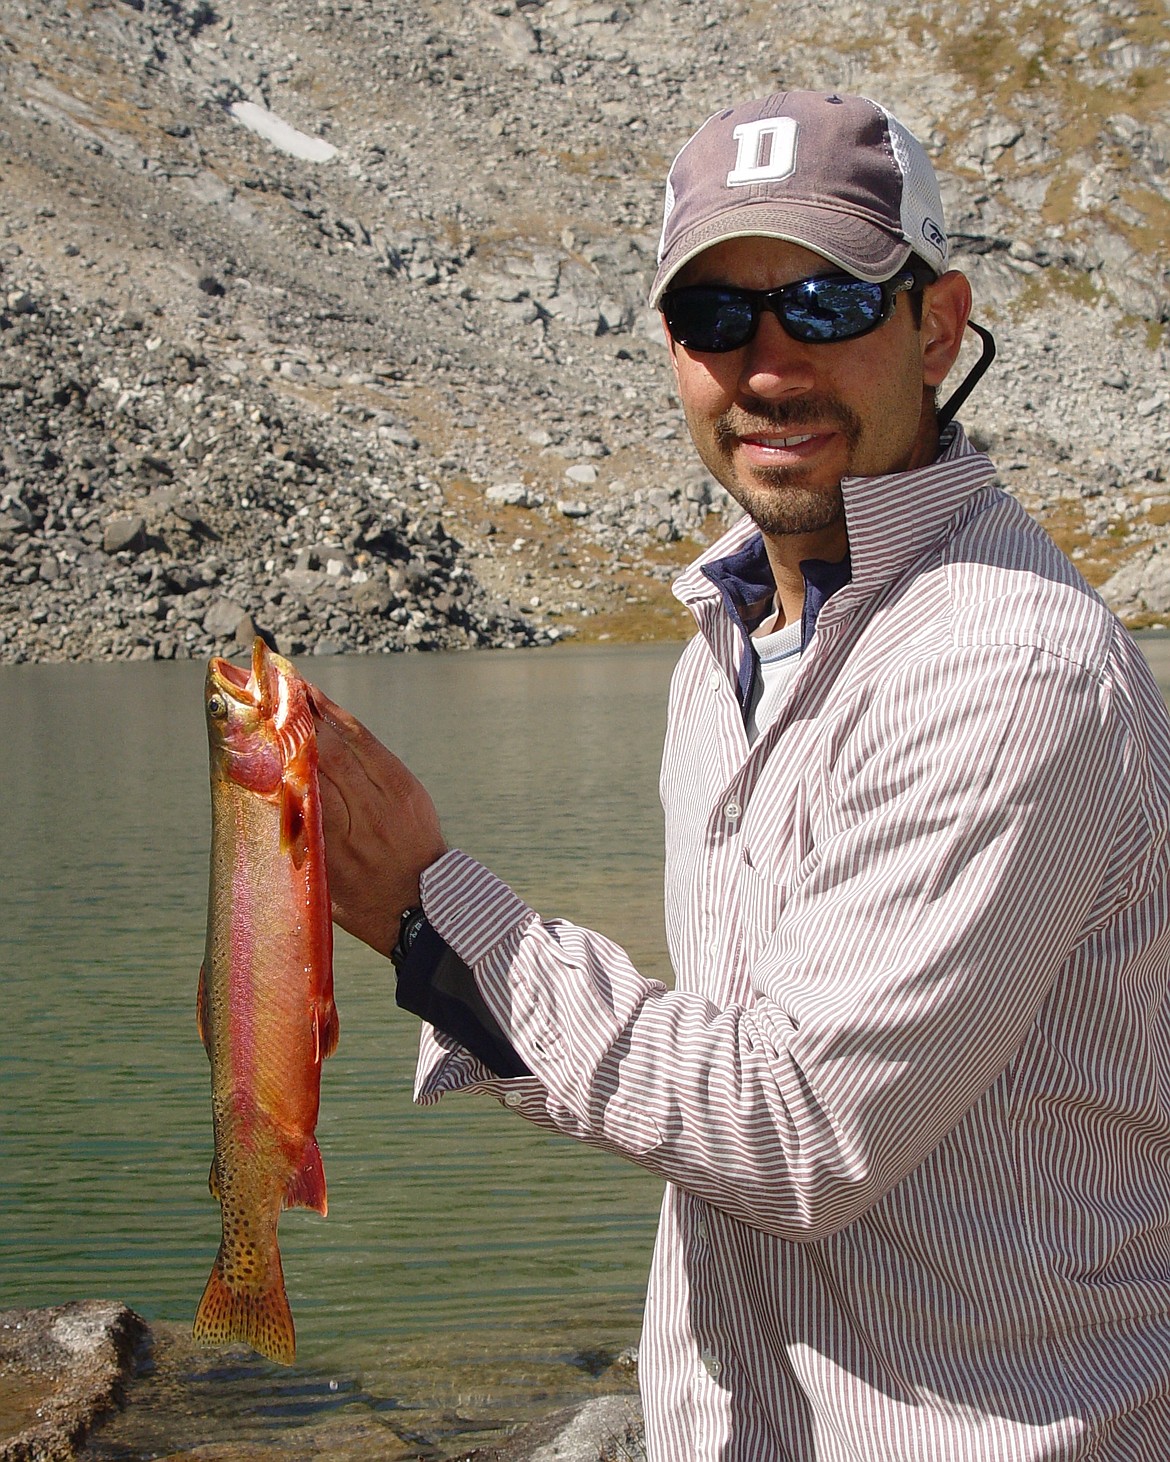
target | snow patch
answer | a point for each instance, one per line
(282, 134)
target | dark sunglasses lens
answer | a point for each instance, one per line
(709, 319)
(833, 309)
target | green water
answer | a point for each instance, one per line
(470, 1267)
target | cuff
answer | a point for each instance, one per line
(469, 907)
(435, 984)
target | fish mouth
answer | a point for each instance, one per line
(237, 681)
(263, 687)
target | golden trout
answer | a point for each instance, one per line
(266, 1012)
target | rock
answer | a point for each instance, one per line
(15, 517)
(245, 633)
(513, 494)
(606, 1429)
(124, 534)
(400, 435)
(63, 1368)
(1142, 586)
(373, 595)
(223, 618)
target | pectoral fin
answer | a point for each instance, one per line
(292, 822)
(325, 1031)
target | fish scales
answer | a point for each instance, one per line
(265, 1004)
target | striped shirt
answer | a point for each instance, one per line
(911, 1092)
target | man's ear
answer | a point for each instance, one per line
(946, 304)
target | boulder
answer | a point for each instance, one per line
(127, 533)
(1141, 586)
(63, 1369)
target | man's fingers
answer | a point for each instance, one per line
(381, 827)
(377, 761)
(329, 710)
(335, 804)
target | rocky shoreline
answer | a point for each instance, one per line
(65, 1369)
(326, 317)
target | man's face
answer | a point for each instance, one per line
(780, 423)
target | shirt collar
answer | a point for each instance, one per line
(890, 521)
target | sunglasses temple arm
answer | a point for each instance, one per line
(972, 378)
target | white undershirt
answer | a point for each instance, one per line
(777, 661)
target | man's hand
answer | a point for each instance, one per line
(381, 827)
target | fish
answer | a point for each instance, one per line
(265, 1007)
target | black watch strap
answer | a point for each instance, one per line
(408, 931)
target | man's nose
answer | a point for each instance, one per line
(774, 364)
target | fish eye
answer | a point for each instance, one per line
(217, 706)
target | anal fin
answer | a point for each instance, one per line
(306, 1187)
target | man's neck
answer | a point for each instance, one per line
(785, 556)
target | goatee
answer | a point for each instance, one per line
(778, 499)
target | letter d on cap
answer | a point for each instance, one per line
(767, 151)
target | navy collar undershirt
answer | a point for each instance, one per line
(748, 589)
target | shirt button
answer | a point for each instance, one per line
(714, 679)
(732, 810)
(513, 1099)
(701, 1231)
(712, 1365)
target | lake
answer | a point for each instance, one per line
(471, 1268)
(472, 1271)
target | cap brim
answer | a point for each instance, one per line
(854, 244)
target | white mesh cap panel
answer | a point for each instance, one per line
(922, 212)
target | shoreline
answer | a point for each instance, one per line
(81, 1371)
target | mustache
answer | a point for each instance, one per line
(789, 417)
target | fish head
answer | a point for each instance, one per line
(259, 719)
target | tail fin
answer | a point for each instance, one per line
(260, 1318)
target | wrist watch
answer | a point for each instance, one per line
(408, 931)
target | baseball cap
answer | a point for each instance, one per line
(837, 174)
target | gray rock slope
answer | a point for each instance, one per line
(326, 317)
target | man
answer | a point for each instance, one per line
(911, 1092)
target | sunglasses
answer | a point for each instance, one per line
(822, 310)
